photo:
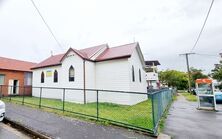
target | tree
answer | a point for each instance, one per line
(196, 74)
(217, 72)
(174, 78)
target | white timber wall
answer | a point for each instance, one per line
(72, 59)
(106, 75)
(90, 81)
(113, 75)
(137, 86)
(48, 82)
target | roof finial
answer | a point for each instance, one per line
(51, 53)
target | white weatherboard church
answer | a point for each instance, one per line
(118, 68)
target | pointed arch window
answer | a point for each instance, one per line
(140, 79)
(133, 74)
(55, 79)
(71, 74)
(42, 77)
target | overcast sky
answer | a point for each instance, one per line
(163, 28)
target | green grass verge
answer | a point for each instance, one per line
(189, 97)
(139, 115)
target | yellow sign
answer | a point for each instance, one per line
(49, 73)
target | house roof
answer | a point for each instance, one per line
(92, 50)
(152, 62)
(51, 61)
(17, 65)
(87, 53)
(117, 52)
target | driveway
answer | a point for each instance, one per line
(63, 127)
(186, 122)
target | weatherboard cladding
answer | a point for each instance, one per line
(122, 51)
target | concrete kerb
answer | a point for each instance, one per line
(26, 129)
(163, 136)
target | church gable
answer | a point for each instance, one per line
(71, 54)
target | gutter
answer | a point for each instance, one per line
(26, 129)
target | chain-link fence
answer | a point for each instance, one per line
(135, 110)
(160, 102)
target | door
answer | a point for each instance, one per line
(13, 87)
(10, 85)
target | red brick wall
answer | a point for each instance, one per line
(14, 75)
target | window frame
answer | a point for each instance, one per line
(140, 78)
(133, 74)
(71, 77)
(28, 79)
(42, 77)
(3, 75)
(55, 76)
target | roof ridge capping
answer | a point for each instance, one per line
(92, 51)
(121, 51)
(106, 46)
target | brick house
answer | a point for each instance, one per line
(15, 77)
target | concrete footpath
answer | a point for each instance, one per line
(186, 122)
(63, 127)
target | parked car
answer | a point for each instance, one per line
(2, 110)
(218, 97)
(194, 91)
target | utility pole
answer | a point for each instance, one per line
(188, 69)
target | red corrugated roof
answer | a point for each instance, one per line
(117, 52)
(110, 53)
(13, 64)
(51, 61)
(92, 50)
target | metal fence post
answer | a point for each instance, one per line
(1, 92)
(40, 98)
(153, 112)
(63, 100)
(23, 95)
(97, 104)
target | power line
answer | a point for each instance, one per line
(46, 24)
(207, 55)
(195, 44)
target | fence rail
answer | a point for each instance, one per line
(135, 110)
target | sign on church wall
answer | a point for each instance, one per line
(48, 73)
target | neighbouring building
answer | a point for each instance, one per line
(15, 75)
(118, 68)
(152, 74)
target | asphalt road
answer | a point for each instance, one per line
(186, 122)
(61, 127)
(7, 132)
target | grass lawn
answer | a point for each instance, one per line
(189, 96)
(139, 115)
